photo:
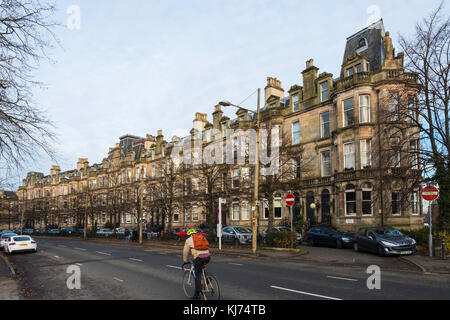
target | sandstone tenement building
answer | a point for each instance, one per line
(349, 141)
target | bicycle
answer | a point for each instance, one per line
(210, 286)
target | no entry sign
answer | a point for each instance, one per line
(290, 199)
(430, 193)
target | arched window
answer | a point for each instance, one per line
(367, 199)
(350, 200)
(176, 215)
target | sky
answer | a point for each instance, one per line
(134, 67)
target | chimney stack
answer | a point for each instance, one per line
(309, 78)
(273, 88)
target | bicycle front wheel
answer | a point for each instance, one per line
(188, 284)
(211, 289)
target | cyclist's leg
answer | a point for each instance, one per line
(198, 267)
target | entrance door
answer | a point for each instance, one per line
(296, 208)
(325, 200)
(309, 210)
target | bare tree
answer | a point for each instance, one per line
(164, 189)
(25, 35)
(427, 54)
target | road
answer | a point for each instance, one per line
(110, 272)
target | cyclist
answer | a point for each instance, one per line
(198, 246)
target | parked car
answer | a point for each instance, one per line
(41, 231)
(6, 231)
(20, 243)
(16, 231)
(54, 231)
(104, 232)
(237, 235)
(28, 231)
(4, 237)
(282, 229)
(206, 231)
(67, 230)
(384, 241)
(328, 236)
(182, 235)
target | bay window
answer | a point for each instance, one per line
(364, 108)
(349, 156)
(349, 114)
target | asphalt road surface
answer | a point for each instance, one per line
(110, 272)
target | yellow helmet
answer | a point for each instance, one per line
(191, 232)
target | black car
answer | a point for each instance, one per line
(328, 236)
(384, 241)
(67, 230)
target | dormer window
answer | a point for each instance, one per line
(349, 72)
(295, 102)
(324, 91)
(362, 45)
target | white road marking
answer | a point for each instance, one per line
(56, 257)
(306, 293)
(80, 249)
(236, 264)
(339, 278)
(104, 253)
(135, 259)
(179, 268)
(117, 279)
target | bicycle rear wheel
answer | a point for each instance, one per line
(188, 284)
(211, 289)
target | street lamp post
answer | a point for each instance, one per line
(256, 190)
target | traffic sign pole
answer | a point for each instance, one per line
(290, 200)
(430, 194)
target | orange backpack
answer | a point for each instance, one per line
(200, 242)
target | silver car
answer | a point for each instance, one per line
(5, 237)
(237, 235)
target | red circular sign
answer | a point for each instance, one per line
(430, 193)
(290, 199)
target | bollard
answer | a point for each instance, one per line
(443, 247)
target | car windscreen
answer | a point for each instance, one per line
(19, 239)
(389, 233)
(7, 235)
(243, 230)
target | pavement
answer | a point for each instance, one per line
(8, 281)
(430, 265)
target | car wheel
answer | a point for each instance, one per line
(310, 242)
(339, 244)
(380, 251)
(355, 247)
